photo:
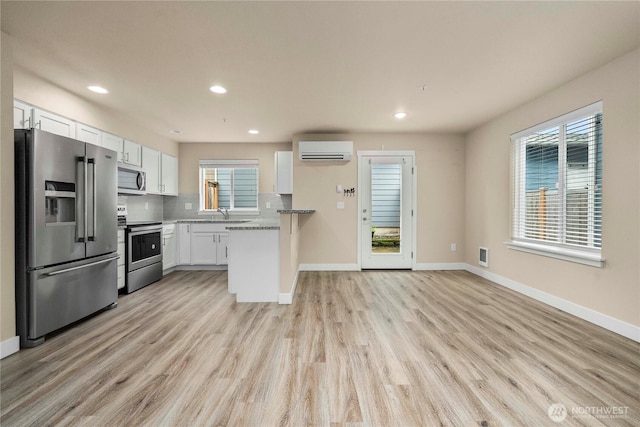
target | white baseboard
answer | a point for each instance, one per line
(200, 267)
(614, 325)
(288, 297)
(329, 267)
(10, 346)
(440, 266)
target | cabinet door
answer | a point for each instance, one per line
(88, 134)
(121, 260)
(169, 175)
(223, 249)
(284, 172)
(204, 248)
(184, 244)
(22, 115)
(169, 250)
(53, 123)
(132, 153)
(113, 142)
(151, 164)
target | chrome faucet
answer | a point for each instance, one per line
(224, 212)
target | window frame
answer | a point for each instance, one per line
(589, 255)
(228, 164)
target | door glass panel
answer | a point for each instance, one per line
(386, 192)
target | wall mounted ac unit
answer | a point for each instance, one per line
(325, 150)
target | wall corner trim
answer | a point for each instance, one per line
(287, 298)
(10, 346)
(625, 329)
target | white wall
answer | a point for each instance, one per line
(613, 290)
(330, 236)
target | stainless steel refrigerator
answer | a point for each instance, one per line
(66, 232)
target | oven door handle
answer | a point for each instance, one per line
(66, 270)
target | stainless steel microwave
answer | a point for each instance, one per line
(131, 180)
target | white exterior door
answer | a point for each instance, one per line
(386, 210)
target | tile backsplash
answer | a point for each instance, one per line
(142, 208)
(176, 207)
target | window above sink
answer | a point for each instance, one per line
(228, 185)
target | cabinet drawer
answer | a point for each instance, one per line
(208, 228)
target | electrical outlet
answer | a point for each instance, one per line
(268, 205)
(454, 247)
(340, 205)
(146, 206)
(188, 206)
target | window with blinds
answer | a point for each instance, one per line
(558, 182)
(228, 184)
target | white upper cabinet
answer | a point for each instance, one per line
(53, 123)
(88, 134)
(284, 172)
(169, 175)
(151, 164)
(161, 168)
(162, 172)
(132, 153)
(22, 115)
(114, 143)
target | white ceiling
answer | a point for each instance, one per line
(324, 67)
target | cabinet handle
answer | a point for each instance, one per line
(39, 124)
(188, 228)
(127, 155)
(26, 122)
(226, 251)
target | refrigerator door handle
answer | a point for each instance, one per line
(92, 237)
(66, 270)
(81, 232)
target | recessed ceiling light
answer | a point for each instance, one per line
(176, 131)
(98, 89)
(254, 132)
(218, 89)
(400, 115)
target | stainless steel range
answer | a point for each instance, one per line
(143, 253)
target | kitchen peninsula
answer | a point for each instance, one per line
(263, 258)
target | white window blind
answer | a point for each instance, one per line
(558, 182)
(228, 184)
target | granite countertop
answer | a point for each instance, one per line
(258, 224)
(296, 211)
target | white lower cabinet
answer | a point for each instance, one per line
(184, 244)
(202, 244)
(223, 249)
(168, 246)
(121, 260)
(204, 248)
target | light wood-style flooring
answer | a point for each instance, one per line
(373, 348)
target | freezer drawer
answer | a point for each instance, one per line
(58, 296)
